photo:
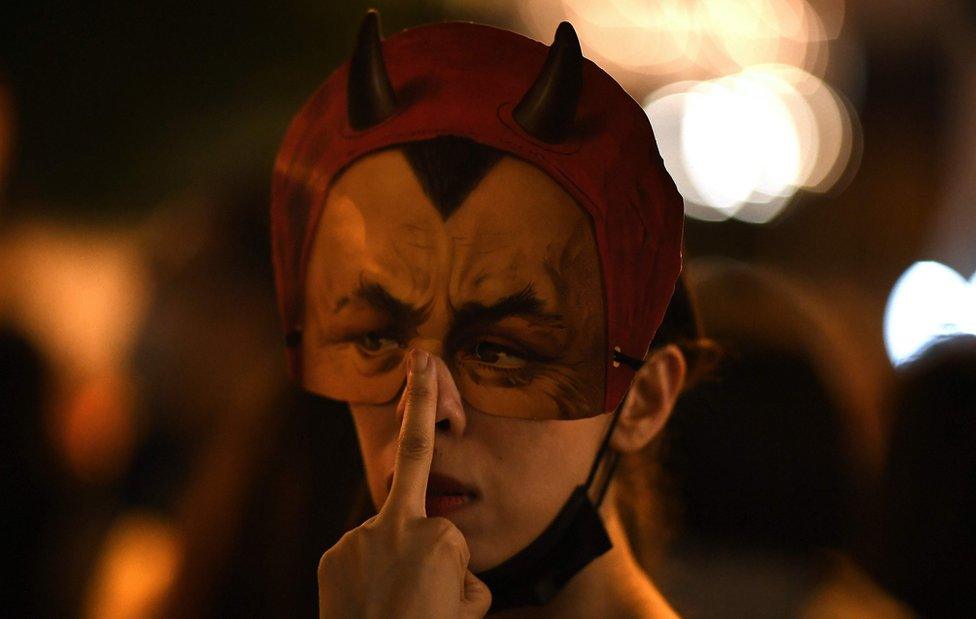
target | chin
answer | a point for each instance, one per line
(482, 543)
(487, 553)
(488, 547)
(483, 557)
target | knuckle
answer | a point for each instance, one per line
(448, 537)
(431, 530)
(441, 527)
(415, 445)
(348, 538)
(483, 604)
(371, 524)
(326, 562)
(417, 394)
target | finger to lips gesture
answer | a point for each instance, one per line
(402, 563)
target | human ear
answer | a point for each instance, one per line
(651, 398)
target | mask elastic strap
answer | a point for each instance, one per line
(612, 459)
(614, 456)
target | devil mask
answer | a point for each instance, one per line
(497, 202)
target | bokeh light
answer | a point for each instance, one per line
(742, 145)
(99, 276)
(929, 302)
(137, 568)
(81, 295)
(688, 36)
(742, 114)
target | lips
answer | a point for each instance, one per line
(438, 484)
(445, 494)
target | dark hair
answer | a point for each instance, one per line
(757, 457)
(682, 327)
(641, 479)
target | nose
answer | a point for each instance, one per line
(450, 409)
(450, 416)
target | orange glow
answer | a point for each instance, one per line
(95, 429)
(137, 567)
(80, 293)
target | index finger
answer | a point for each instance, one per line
(415, 445)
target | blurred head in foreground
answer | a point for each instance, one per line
(927, 528)
(756, 457)
(774, 421)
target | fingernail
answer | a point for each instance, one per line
(419, 360)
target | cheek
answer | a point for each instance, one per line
(545, 464)
(376, 429)
(531, 468)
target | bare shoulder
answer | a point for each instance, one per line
(646, 603)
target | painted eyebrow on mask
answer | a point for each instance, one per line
(400, 313)
(524, 304)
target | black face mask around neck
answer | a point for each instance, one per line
(534, 575)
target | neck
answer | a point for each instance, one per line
(613, 585)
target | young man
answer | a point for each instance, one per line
(475, 241)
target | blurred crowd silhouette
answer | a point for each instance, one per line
(157, 462)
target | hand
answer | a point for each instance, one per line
(400, 563)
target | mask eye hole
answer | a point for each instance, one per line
(497, 356)
(373, 343)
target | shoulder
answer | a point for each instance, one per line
(645, 602)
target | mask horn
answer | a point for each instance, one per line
(548, 108)
(370, 96)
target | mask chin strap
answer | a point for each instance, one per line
(612, 457)
(571, 541)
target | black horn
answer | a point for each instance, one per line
(548, 108)
(370, 96)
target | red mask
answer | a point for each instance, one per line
(498, 88)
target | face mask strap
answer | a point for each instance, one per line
(619, 357)
(612, 457)
(603, 447)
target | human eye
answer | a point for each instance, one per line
(377, 343)
(493, 355)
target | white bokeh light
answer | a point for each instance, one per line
(715, 132)
(744, 119)
(691, 37)
(930, 301)
(742, 145)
